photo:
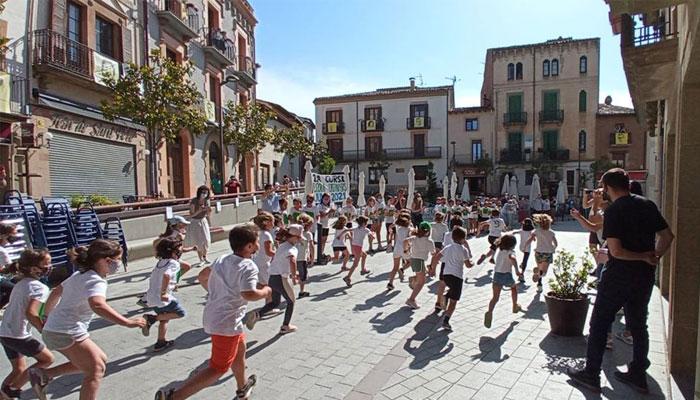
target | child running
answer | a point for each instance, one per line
(283, 274)
(357, 242)
(496, 226)
(420, 246)
(76, 300)
(438, 229)
(455, 257)
(503, 277)
(339, 237)
(525, 243)
(389, 218)
(21, 314)
(266, 246)
(233, 282)
(305, 259)
(349, 211)
(402, 232)
(160, 291)
(545, 248)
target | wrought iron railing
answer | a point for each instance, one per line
(189, 17)
(55, 49)
(662, 29)
(371, 125)
(418, 123)
(333, 127)
(514, 118)
(551, 116)
(218, 39)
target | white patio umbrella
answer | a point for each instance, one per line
(453, 186)
(445, 186)
(361, 190)
(561, 193)
(308, 181)
(513, 186)
(535, 189)
(382, 186)
(411, 187)
(506, 184)
(346, 174)
(465, 190)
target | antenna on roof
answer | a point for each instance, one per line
(454, 79)
(420, 79)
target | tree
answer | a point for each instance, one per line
(292, 141)
(599, 166)
(381, 164)
(432, 191)
(322, 159)
(159, 96)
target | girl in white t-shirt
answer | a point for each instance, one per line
(66, 329)
(400, 258)
(420, 246)
(372, 212)
(325, 210)
(546, 246)
(389, 218)
(357, 241)
(503, 276)
(23, 312)
(305, 258)
(265, 222)
(496, 227)
(341, 234)
(524, 240)
(349, 211)
(438, 230)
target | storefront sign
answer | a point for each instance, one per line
(335, 185)
(473, 172)
(63, 122)
(104, 67)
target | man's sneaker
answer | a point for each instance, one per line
(162, 394)
(347, 281)
(412, 304)
(250, 319)
(288, 329)
(244, 392)
(9, 393)
(389, 287)
(150, 321)
(521, 279)
(39, 381)
(446, 326)
(638, 382)
(160, 346)
(584, 379)
(488, 318)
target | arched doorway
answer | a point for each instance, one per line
(215, 168)
(176, 181)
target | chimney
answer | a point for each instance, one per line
(413, 83)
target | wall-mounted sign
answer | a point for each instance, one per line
(82, 126)
(104, 67)
(210, 110)
(622, 137)
(473, 172)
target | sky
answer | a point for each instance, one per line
(314, 48)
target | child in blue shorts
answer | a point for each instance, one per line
(506, 263)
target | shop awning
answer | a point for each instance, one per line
(84, 110)
(640, 175)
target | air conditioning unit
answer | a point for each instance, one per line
(419, 122)
(332, 127)
(370, 125)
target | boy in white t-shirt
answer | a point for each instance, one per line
(232, 283)
(496, 226)
(305, 258)
(455, 256)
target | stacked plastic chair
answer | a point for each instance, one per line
(60, 236)
(27, 207)
(113, 230)
(86, 225)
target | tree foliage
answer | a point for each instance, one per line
(381, 164)
(245, 126)
(159, 96)
(292, 141)
(601, 165)
(569, 278)
(432, 191)
(323, 159)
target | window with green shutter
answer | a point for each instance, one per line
(550, 100)
(582, 99)
(550, 141)
(515, 103)
(515, 142)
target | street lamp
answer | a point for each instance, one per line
(222, 162)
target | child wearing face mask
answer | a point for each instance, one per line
(71, 307)
(21, 314)
(160, 291)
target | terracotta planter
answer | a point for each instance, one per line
(567, 317)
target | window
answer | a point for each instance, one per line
(335, 148)
(582, 99)
(373, 146)
(104, 37)
(582, 141)
(519, 71)
(421, 172)
(515, 142)
(419, 145)
(511, 71)
(529, 174)
(476, 150)
(545, 68)
(373, 113)
(171, 55)
(74, 32)
(570, 181)
(555, 67)
(515, 104)
(472, 124)
(550, 141)
(334, 116)
(550, 100)
(373, 175)
(418, 110)
(264, 174)
(619, 159)
(214, 161)
(214, 90)
(583, 64)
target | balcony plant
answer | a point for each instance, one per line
(567, 304)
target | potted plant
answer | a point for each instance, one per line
(567, 304)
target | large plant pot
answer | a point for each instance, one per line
(567, 317)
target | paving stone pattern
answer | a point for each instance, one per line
(363, 343)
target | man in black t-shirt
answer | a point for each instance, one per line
(631, 226)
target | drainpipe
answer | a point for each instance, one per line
(357, 145)
(28, 55)
(447, 133)
(534, 105)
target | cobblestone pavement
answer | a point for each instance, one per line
(363, 343)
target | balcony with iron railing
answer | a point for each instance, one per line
(178, 19)
(371, 125)
(552, 155)
(512, 155)
(405, 153)
(218, 48)
(18, 92)
(418, 123)
(246, 71)
(514, 118)
(333, 127)
(551, 116)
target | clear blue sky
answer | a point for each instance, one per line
(312, 48)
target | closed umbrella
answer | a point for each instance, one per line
(506, 184)
(535, 189)
(382, 186)
(513, 186)
(346, 174)
(411, 187)
(445, 187)
(308, 181)
(465, 190)
(561, 193)
(361, 190)
(453, 186)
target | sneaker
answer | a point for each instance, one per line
(412, 304)
(389, 287)
(347, 281)
(446, 326)
(624, 337)
(411, 281)
(521, 279)
(481, 259)
(539, 287)
(244, 393)
(365, 272)
(163, 395)
(8, 393)
(584, 379)
(638, 382)
(159, 346)
(288, 329)
(488, 318)
(150, 321)
(39, 381)
(250, 319)
(141, 302)
(517, 308)
(304, 294)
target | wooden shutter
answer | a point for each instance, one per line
(59, 22)
(515, 103)
(515, 141)
(550, 101)
(127, 46)
(549, 140)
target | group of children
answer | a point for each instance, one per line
(269, 257)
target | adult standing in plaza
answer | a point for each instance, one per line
(198, 233)
(417, 209)
(631, 225)
(233, 186)
(270, 201)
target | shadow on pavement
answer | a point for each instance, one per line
(481, 280)
(380, 300)
(250, 352)
(536, 309)
(490, 348)
(398, 318)
(433, 342)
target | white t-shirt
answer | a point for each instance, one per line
(437, 231)
(261, 259)
(324, 220)
(339, 238)
(389, 212)
(349, 212)
(503, 262)
(4, 257)
(163, 267)
(358, 236)
(313, 213)
(280, 263)
(447, 239)
(546, 205)
(545, 241)
(421, 247)
(73, 314)
(14, 323)
(496, 226)
(524, 237)
(303, 246)
(454, 256)
(401, 235)
(225, 308)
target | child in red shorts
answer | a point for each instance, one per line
(232, 283)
